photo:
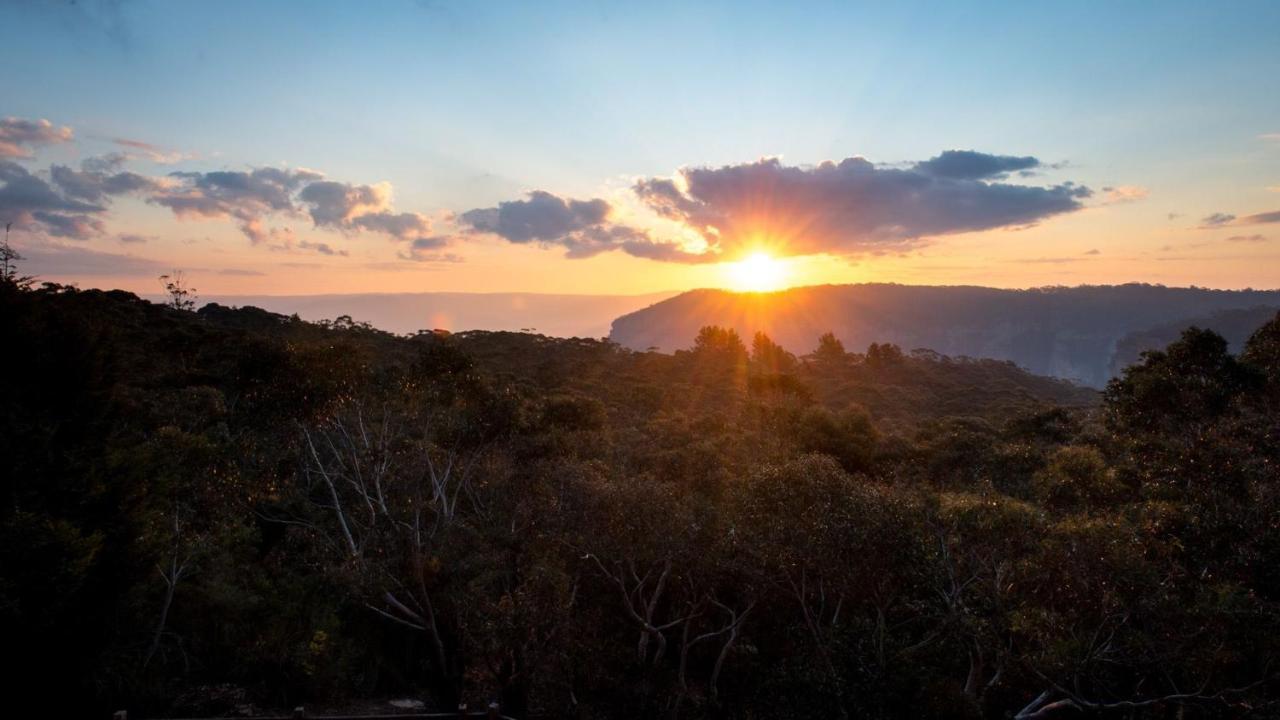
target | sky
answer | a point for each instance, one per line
(627, 148)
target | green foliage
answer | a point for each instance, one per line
(205, 510)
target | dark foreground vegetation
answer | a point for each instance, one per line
(205, 510)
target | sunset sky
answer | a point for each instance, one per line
(290, 148)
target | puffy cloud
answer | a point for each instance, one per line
(246, 196)
(30, 202)
(543, 218)
(252, 197)
(322, 247)
(76, 227)
(1216, 220)
(95, 186)
(336, 204)
(18, 136)
(428, 249)
(402, 226)
(854, 206)
(583, 227)
(971, 165)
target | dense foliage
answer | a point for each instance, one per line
(208, 510)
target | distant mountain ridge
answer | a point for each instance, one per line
(1065, 332)
(548, 314)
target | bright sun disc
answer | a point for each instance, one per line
(757, 273)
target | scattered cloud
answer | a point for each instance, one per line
(239, 272)
(1216, 220)
(852, 207)
(245, 196)
(583, 227)
(322, 247)
(154, 153)
(33, 204)
(96, 182)
(1247, 239)
(1124, 194)
(1260, 218)
(132, 239)
(19, 136)
(252, 197)
(972, 165)
(428, 250)
(65, 261)
(1094, 251)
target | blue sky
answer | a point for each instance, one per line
(463, 105)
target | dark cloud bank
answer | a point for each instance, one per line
(847, 208)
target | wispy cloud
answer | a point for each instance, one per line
(1124, 194)
(19, 136)
(1217, 219)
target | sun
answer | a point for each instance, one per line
(758, 272)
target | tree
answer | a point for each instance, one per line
(830, 352)
(181, 296)
(769, 357)
(9, 264)
(1262, 351)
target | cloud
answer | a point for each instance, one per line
(336, 204)
(543, 218)
(1094, 251)
(252, 197)
(322, 247)
(239, 272)
(1123, 194)
(154, 153)
(584, 228)
(95, 185)
(33, 204)
(427, 249)
(852, 207)
(971, 165)
(76, 227)
(1260, 218)
(1246, 239)
(1273, 137)
(1216, 220)
(131, 239)
(67, 261)
(18, 136)
(245, 196)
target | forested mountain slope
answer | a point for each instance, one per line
(1067, 332)
(227, 512)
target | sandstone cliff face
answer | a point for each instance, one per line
(1070, 333)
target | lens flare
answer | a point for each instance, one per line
(758, 272)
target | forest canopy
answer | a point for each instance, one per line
(222, 510)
